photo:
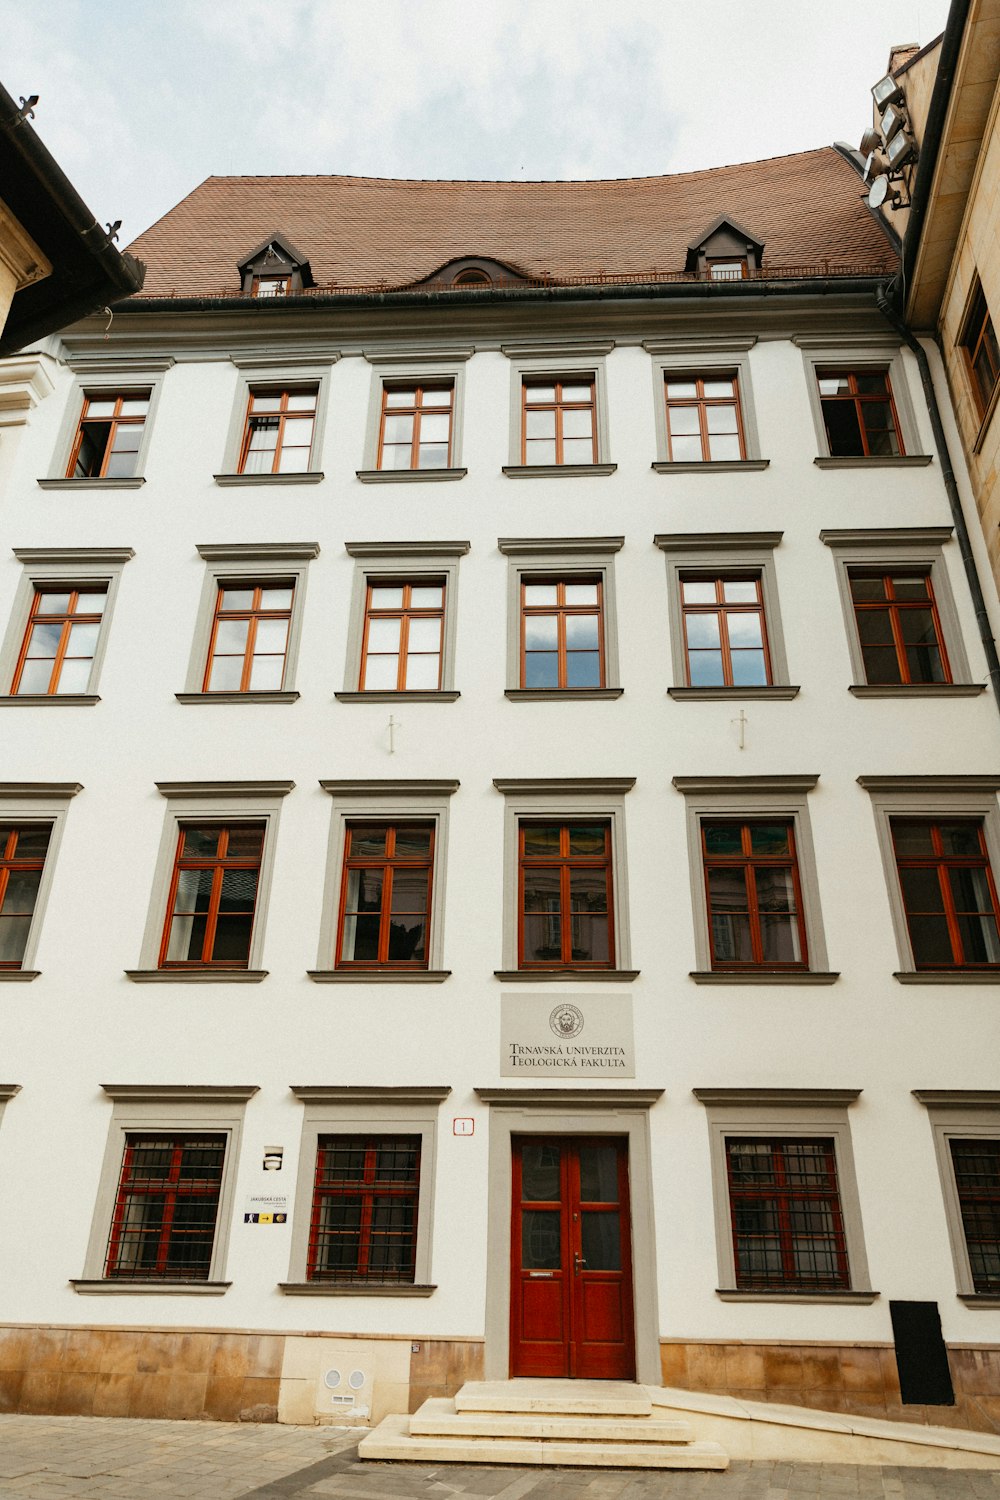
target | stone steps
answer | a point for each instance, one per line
(574, 1423)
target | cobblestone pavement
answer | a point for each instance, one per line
(67, 1458)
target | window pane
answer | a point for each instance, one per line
(200, 843)
(266, 674)
(980, 942)
(22, 888)
(685, 450)
(724, 448)
(381, 674)
(541, 670)
(541, 632)
(723, 838)
(423, 673)
(745, 629)
(236, 599)
(581, 632)
(842, 428)
(956, 838)
(226, 674)
(245, 841)
(13, 938)
(427, 596)
(413, 843)
(678, 390)
(383, 634)
(540, 838)
(534, 393)
(580, 593)
(540, 1239)
(769, 838)
(749, 669)
(587, 840)
(864, 589)
(698, 593)
(721, 419)
(921, 890)
(425, 635)
(780, 940)
(386, 596)
(601, 1241)
(683, 419)
(583, 669)
(577, 393)
(598, 1174)
(364, 890)
(578, 451)
(577, 424)
(930, 941)
(231, 636)
(539, 424)
(540, 453)
(405, 397)
(539, 1173)
(276, 598)
(539, 593)
(702, 630)
(398, 429)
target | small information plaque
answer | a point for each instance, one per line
(589, 1036)
(266, 1208)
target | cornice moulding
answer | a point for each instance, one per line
(24, 382)
(919, 784)
(958, 1098)
(701, 786)
(562, 546)
(715, 541)
(178, 1093)
(8, 1090)
(560, 349)
(707, 344)
(830, 343)
(545, 786)
(240, 552)
(118, 364)
(50, 789)
(385, 788)
(74, 556)
(362, 1093)
(406, 354)
(297, 357)
(887, 536)
(580, 1098)
(407, 549)
(790, 1097)
(224, 788)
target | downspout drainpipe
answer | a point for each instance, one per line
(951, 487)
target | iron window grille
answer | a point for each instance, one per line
(22, 860)
(725, 634)
(899, 630)
(403, 635)
(558, 421)
(415, 428)
(278, 433)
(166, 1207)
(787, 1221)
(565, 898)
(704, 419)
(385, 898)
(977, 1178)
(562, 632)
(57, 653)
(364, 1210)
(982, 352)
(949, 894)
(859, 413)
(106, 445)
(249, 638)
(213, 896)
(755, 916)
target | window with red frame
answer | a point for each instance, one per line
(166, 1207)
(978, 339)
(859, 413)
(725, 637)
(364, 1213)
(57, 653)
(22, 860)
(565, 896)
(704, 421)
(558, 422)
(977, 1178)
(249, 637)
(107, 440)
(788, 1227)
(562, 633)
(949, 894)
(755, 914)
(898, 626)
(213, 896)
(385, 895)
(404, 630)
(415, 430)
(278, 434)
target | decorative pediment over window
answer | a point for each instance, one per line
(275, 268)
(473, 271)
(725, 252)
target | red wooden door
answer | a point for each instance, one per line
(571, 1259)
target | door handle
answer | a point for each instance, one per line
(578, 1263)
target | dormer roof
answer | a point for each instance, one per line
(278, 249)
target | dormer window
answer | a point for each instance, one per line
(725, 252)
(727, 270)
(274, 268)
(473, 276)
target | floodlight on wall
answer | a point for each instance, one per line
(870, 141)
(875, 165)
(900, 150)
(893, 119)
(887, 91)
(882, 191)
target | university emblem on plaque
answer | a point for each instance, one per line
(566, 1021)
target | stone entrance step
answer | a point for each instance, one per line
(607, 1398)
(438, 1417)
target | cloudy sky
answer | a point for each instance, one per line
(140, 100)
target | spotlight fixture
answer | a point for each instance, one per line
(882, 191)
(870, 141)
(893, 119)
(900, 150)
(887, 91)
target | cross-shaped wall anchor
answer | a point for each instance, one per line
(741, 726)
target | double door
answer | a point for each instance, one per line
(571, 1259)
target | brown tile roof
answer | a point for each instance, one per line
(366, 231)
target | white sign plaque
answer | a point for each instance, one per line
(588, 1036)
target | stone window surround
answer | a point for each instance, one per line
(566, 797)
(861, 351)
(931, 797)
(716, 553)
(548, 1111)
(94, 376)
(365, 1110)
(261, 561)
(44, 566)
(210, 802)
(170, 1109)
(398, 366)
(37, 802)
(568, 557)
(290, 372)
(785, 1113)
(902, 546)
(750, 797)
(405, 561)
(704, 356)
(384, 801)
(532, 360)
(960, 1113)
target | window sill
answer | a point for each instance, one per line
(980, 1299)
(873, 461)
(715, 466)
(566, 976)
(776, 691)
(949, 976)
(148, 1288)
(407, 476)
(789, 1295)
(18, 976)
(133, 482)
(311, 476)
(763, 976)
(40, 700)
(378, 976)
(251, 697)
(355, 1289)
(561, 695)
(557, 471)
(917, 689)
(196, 976)
(406, 695)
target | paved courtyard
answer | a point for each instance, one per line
(62, 1458)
